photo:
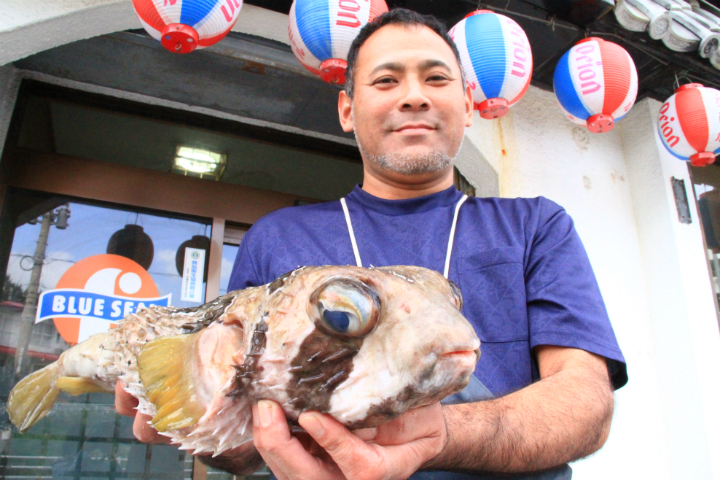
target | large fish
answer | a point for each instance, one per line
(363, 345)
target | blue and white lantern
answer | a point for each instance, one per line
(321, 32)
(496, 59)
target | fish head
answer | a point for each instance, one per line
(364, 345)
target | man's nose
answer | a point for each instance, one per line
(414, 96)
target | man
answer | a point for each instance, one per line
(548, 352)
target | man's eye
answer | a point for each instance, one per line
(438, 78)
(384, 81)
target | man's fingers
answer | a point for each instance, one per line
(283, 453)
(125, 403)
(352, 455)
(145, 432)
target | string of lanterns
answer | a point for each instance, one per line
(595, 82)
(132, 242)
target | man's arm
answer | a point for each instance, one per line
(561, 418)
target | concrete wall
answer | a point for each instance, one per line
(651, 269)
(9, 84)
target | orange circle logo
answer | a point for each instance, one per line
(96, 293)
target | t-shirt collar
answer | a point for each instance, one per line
(444, 198)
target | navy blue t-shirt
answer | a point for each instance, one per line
(523, 272)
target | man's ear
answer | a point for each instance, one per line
(345, 111)
(469, 103)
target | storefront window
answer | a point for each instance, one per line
(119, 255)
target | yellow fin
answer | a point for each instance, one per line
(33, 397)
(164, 370)
(77, 386)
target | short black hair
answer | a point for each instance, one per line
(397, 16)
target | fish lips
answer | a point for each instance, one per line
(449, 372)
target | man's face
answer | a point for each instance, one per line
(410, 109)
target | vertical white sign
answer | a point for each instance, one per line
(192, 282)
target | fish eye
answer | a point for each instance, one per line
(457, 294)
(345, 308)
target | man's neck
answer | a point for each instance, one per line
(402, 187)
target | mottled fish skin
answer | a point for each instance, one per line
(408, 346)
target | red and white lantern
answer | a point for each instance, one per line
(596, 84)
(689, 124)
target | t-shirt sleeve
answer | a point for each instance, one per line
(565, 307)
(244, 274)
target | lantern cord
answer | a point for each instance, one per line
(683, 75)
(522, 15)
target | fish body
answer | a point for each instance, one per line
(363, 345)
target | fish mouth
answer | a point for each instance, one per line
(463, 352)
(463, 356)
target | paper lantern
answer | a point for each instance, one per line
(132, 242)
(689, 124)
(496, 58)
(184, 25)
(596, 84)
(321, 32)
(197, 241)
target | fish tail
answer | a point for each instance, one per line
(33, 397)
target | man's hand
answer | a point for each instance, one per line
(126, 404)
(391, 451)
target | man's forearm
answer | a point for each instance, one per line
(561, 418)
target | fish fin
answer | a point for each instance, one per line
(33, 397)
(168, 382)
(77, 386)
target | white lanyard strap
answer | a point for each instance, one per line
(450, 241)
(352, 234)
(452, 236)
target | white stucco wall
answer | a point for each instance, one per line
(31, 27)
(651, 272)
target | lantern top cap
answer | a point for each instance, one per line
(476, 12)
(688, 86)
(589, 39)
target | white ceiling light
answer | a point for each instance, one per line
(197, 162)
